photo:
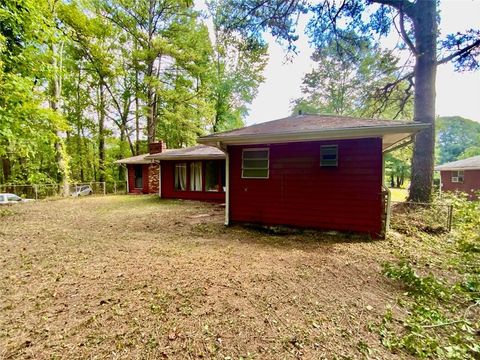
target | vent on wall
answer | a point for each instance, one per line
(329, 156)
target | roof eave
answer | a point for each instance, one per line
(187, 157)
(335, 134)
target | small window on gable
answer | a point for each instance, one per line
(458, 176)
(255, 163)
(329, 156)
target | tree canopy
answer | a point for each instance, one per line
(349, 24)
(84, 83)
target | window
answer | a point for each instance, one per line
(255, 163)
(457, 176)
(181, 176)
(212, 173)
(11, 197)
(196, 176)
(138, 176)
(329, 156)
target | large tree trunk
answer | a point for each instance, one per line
(425, 73)
(101, 133)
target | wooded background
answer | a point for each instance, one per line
(86, 82)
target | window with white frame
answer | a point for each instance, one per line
(457, 176)
(196, 176)
(329, 156)
(255, 163)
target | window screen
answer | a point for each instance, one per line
(329, 156)
(255, 163)
(212, 172)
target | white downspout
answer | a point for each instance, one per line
(389, 196)
(128, 188)
(227, 190)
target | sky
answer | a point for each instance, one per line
(457, 93)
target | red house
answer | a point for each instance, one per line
(462, 175)
(194, 173)
(310, 171)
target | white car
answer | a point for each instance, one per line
(8, 199)
(82, 190)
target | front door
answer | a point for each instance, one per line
(138, 177)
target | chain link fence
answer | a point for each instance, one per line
(43, 191)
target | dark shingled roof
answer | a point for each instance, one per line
(472, 163)
(200, 152)
(317, 127)
(306, 123)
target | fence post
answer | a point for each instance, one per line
(35, 188)
(450, 217)
(115, 187)
(104, 188)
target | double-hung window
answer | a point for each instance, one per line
(255, 163)
(458, 176)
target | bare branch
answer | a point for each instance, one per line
(404, 34)
(460, 52)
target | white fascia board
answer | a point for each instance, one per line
(336, 134)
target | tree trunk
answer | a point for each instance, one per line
(55, 84)
(137, 116)
(101, 133)
(425, 25)
(6, 168)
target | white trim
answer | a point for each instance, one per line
(268, 163)
(159, 179)
(227, 190)
(345, 133)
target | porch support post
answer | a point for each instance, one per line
(159, 179)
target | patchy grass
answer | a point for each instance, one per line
(138, 277)
(399, 194)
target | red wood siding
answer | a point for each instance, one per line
(470, 185)
(168, 185)
(301, 193)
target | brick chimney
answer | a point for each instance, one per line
(157, 147)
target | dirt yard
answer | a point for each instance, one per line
(138, 277)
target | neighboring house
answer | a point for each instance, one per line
(461, 175)
(194, 173)
(310, 171)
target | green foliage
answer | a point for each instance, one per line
(350, 85)
(84, 83)
(440, 320)
(457, 138)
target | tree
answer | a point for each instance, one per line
(344, 86)
(238, 65)
(455, 137)
(416, 23)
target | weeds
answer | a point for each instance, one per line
(441, 319)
